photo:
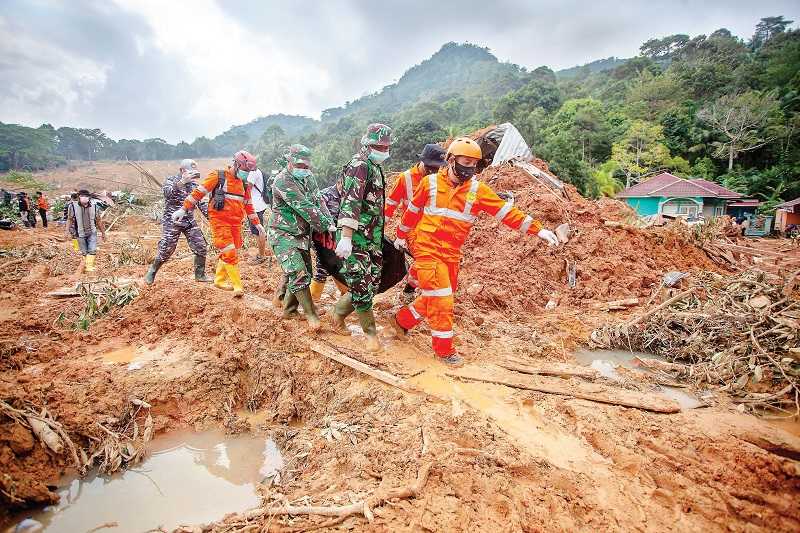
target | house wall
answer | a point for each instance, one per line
(680, 206)
(783, 218)
(644, 206)
(711, 208)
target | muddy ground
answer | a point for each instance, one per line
(500, 458)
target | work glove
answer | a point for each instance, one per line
(178, 215)
(188, 176)
(332, 228)
(548, 236)
(400, 244)
(344, 248)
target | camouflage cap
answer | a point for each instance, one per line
(377, 135)
(298, 153)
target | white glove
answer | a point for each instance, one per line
(261, 231)
(178, 215)
(332, 228)
(400, 244)
(548, 236)
(344, 248)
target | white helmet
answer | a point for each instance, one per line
(188, 164)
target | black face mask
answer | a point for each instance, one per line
(463, 172)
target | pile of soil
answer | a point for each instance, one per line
(502, 269)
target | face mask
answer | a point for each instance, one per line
(242, 174)
(463, 172)
(378, 157)
(301, 172)
(84, 200)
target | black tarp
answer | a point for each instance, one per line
(393, 271)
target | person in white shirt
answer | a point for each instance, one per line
(261, 197)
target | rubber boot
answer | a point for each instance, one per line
(236, 280)
(367, 321)
(150, 277)
(280, 293)
(316, 289)
(90, 263)
(306, 300)
(75, 245)
(342, 308)
(290, 303)
(221, 277)
(199, 269)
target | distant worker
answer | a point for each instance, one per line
(441, 212)
(261, 199)
(431, 160)
(229, 204)
(360, 235)
(296, 212)
(175, 189)
(23, 206)
(43, 206)
(83, 223)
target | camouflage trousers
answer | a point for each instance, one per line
(362, 273)
(170, 233)
(295, 263)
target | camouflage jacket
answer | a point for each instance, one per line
(174, 195)
(297, 210)
(362, 201)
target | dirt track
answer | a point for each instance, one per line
(502, 458)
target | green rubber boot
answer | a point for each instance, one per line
(310, 312)
(150, 277)
(367, 321)
(200, 269)
(343, 307)
(290, 304)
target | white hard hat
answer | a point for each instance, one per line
(188, 164)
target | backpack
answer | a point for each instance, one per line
(266, 194)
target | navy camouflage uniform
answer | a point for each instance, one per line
(174, 196)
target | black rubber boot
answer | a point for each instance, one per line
(342, 308)
(367, 321)
(200, 269)
(290, 304)
(150, 277)
(310, 312)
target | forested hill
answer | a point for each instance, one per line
(719, 106)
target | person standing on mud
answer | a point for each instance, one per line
(360, 235)
(430, 161)
(43, 206)
(175, 189)
(229, 204)
(331, 197)
(261, 199)
(83, 223)
(296, 212)
(24, 206)
(441, 212)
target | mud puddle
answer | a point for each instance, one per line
(606, 363)
(190, 478)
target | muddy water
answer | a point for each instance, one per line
(190, 478)
(607, 361)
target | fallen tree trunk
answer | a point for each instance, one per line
(585, 391)
(380, 375)
(553, 369)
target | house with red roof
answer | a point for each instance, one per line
(665, 194)
(787, 214)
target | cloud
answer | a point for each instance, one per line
(180, 69)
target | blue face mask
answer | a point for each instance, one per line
(301, 172)
(378, 157)
(242, 174)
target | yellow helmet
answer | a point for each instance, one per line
(464, 146)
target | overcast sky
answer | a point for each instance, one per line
(179, 69)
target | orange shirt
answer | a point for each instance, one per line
(403, 190)
(442, 215)
(237, 199)
(42, 203)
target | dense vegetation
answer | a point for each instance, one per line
(716, 107)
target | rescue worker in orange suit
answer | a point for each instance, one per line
(230, 202)
(441, 212)
(431, 160)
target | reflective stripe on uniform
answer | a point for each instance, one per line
(414, 312)
(472, 195)
(504, 210)
(433, 210)
(234, 197)
(446, 291)
(442, 334)
(449, 213)
(403, 227)
(191, 199)
(413, 208)
(390, 201)
(202, 189)
(526, 224)
(409, 185)
(228, 248)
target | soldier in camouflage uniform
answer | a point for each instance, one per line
(360, 233)
(176, 189)
(296, 212)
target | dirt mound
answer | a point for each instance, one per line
(502, 269)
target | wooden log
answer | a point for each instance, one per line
(380, 375)
(585, 391)
(552, 369)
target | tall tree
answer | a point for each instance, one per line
(767, 29)
(640, 150)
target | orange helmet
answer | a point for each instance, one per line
(464, 146)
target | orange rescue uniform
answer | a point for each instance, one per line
(442, 214)
(42, 203)
(400, 196)
(226, 224)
